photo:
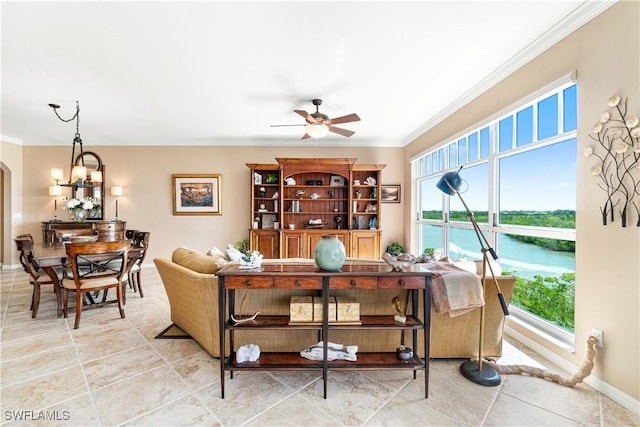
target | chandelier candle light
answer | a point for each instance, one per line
(450, 184)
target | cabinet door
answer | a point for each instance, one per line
(294, 245)
(267, 242)
(365, 244)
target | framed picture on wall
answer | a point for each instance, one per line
(391, 194)
(196, 194)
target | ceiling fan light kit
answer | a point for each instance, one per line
(316, 131)
(319, 125)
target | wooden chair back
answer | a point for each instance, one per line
(129, 234)
(98, 260)
(37, 277)
(24, 245)
(141, 240)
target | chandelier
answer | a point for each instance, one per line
(77, 173)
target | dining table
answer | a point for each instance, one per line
(52, 257)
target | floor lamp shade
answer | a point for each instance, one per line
(450, 183)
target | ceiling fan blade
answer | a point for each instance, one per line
(305, 136)
(279, 126)
(308, 117)
(340, 131)
(343, 119)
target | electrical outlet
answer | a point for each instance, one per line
(599, 335)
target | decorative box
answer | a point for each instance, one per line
(317, 309)
(308, 309)
(348, 309)
(301, 309)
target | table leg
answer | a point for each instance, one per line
(221, 329)
(51, 272)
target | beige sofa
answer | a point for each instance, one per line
(191, 284)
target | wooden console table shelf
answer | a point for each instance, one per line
(353, 275)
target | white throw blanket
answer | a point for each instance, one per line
(455, 291)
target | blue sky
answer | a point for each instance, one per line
(540, 179)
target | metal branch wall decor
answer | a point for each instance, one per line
(618, 171)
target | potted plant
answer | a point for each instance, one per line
(395, 248)
(242, 245)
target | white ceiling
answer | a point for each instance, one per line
(220, 73)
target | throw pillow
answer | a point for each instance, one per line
(233, 254)
(219, 258)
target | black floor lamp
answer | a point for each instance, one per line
(484, 375)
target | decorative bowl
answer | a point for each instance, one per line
(404, 353)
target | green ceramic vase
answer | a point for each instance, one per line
(330, 253)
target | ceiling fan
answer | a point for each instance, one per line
(319, 125)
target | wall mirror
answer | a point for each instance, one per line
(93, 163)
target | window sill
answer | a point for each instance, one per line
(522, 325)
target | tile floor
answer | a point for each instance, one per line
(112, 372)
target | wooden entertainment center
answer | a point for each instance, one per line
(297, 200)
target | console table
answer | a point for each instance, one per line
(353, 275)
(106, 230)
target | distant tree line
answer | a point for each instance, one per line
(546, 219)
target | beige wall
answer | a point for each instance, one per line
(11, 159)
(145, 174)
(605, 54)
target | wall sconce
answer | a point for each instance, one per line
(55, 191)
(116, 192)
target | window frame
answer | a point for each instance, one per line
(493, 228)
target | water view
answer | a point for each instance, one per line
(522, 259)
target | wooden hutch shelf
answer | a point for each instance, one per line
(297, 200)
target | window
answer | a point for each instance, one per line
(519, 182)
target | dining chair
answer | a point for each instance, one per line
(29, 237)
(140, 240)
(37, 277)
(94, 267)
(128, 234)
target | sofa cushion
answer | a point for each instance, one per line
(476, 266)
(469, 266)
(194, 260)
